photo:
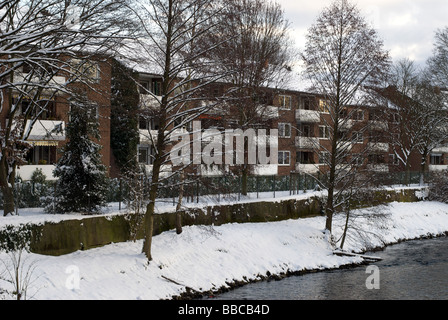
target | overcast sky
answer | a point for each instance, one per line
(407, 27)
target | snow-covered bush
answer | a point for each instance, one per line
(438, 187)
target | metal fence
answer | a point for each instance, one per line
(32, 194)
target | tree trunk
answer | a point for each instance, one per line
(244, 177)
(149, 223)
(408, 173)
(179, 204)
(149, 215)
(7, 188)
(345, 228)
(8, 201)
(423, 167)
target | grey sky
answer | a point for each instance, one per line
(407, 27)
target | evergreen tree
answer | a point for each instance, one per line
(124, 117)
(82, 183)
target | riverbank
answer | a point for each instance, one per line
(207, 259)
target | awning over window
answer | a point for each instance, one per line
(44, 143)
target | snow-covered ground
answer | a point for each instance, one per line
(205, 258)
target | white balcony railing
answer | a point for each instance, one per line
(24, 79)
(46, 130)
(378, 167)
(265, 170)
(307, 143)
(437, 168)
(442, 149)
(26, 172)
(378, 147)
(308, 116)
(378, 125)
(307, 168)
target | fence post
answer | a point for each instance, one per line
(197, 191)
(274, 185)
(257, 185)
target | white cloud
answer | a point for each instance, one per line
(406, 26)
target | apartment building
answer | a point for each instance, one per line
(47, 136)
(303, 122)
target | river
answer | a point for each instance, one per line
(412, 270)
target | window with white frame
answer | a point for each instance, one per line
(324, 106)
(284, 130)
(393, 159)
(324, 132)
(284, 158)
(358, 137)
(145, 154)
(358, 115)
(85, 70)
(436, 159)
(285, 102)
(324, 157)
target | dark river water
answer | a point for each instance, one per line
(416, 270)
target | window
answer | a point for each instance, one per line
(145, 155)
(285, 102)
(324, 157)
(376, 159)
(284, 158)
(306, 131)
(358, 115)
(156, 87)
(436, 159)
(393, 159)
(284, 130)
(395, 117)
(42, 155)
(358, 137)
(85, 70)
(324, 132)
(144, 87)
(305, 157)
(324, 106)
(307, 104)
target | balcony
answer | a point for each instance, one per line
(378, 147)
(307, 143)
(378, 167)
(379, 125)
(214, 170)
(148, 137)
(438, 168)
(308, 116)
(265, 170)
(46, 131)
(307, 168)
(148, 101)
(24, 79)
(26, 172)
(442, 149)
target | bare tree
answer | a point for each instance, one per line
(438, 63)
(168, 43)
(257, 55)
(342, 56)
(19, 271)
(417, 115)
(39, 42)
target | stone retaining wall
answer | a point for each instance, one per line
(72, 235)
